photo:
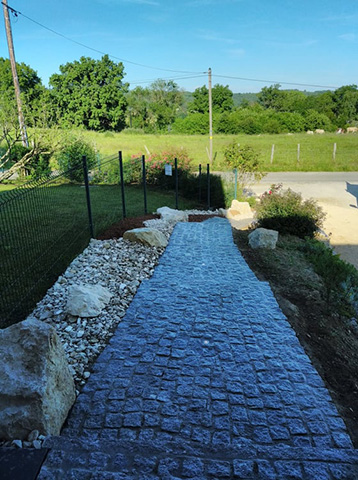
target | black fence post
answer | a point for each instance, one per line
(144, 185)
(176, 184)
(122, 184)
(208, 175)
(88, 198)
(199, 182)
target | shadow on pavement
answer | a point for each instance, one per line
(353, 190)
(21, 464)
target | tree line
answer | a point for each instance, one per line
(92, 94)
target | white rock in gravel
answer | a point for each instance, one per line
(147, 236)
(170, 215)
(87, 300)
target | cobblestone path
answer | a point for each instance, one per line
(203, 379)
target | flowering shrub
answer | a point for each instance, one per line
(155, 167)
(286, 212)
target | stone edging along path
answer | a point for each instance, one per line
(204, 379)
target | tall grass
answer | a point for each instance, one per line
(316, 151)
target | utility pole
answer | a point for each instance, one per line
(10, 44)
(210, 120)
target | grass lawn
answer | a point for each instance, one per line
(43, 229)
(316, 151)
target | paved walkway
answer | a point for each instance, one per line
(203, 379)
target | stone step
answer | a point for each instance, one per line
(182, 460)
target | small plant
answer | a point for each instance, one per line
(286, 212)
(245, 160)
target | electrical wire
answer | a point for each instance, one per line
(275, 82)
(16, 13)
(197, 74)
(139, 82)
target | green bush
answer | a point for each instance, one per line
(245, 160)
(193, 124)
(69, 157)
(339, 277)
(155, 168)
(286, 212)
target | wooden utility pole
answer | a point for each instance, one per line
(10, 44)
(210, 120)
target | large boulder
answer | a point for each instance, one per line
(170, 215)
(87, 300)
(263, 238)
(36, 387)
(239, 210)
(151, 237)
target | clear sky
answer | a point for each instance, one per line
(296, 41)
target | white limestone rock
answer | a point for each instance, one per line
(239, 210)
(170, 215)
(150, 237)
(263, 238)
(87, 300)
(36, 387)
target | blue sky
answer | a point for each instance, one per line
(296, 41)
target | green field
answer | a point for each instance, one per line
(316, 151)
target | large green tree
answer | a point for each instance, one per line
(90, 93)
(154, 108)
(222, 99)
(282, 100)
(31, 88)
(346, 104)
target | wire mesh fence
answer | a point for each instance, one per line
(45, 224)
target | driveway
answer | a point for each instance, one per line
(337, 193)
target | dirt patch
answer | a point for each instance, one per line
(200, 218)
(327, 336)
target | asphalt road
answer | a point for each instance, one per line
(337, 193)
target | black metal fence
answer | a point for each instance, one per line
(46, 223)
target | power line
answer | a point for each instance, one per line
(168, 78)
(197, 74)
(276, 82)
(16, 13)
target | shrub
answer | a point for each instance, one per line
(155, 168)
(245, 160)
(339, 277)
(69, 157)
(194, 123)
(286, 212)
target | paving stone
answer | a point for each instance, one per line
(244, 469)
(192, 468)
